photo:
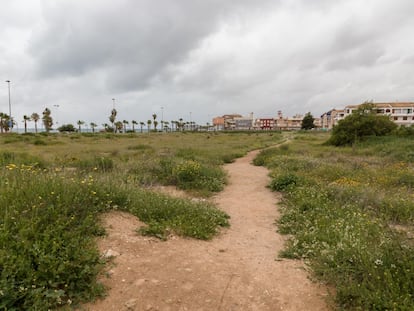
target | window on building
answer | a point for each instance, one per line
(405, 118)
(395, 118)
(388, 110)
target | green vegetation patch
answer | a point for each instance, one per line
(341, 207)
(52, 195)
(48, 224)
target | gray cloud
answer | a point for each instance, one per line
(205, 57)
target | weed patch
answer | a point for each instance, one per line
(340, 214)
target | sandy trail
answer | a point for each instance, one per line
(237, 270)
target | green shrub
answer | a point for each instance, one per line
(362, 123)
(283, 182)
(191, 175)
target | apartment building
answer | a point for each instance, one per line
(331, 118)
(264, 124)
(288, 123)
(233, 122)
(402, 113)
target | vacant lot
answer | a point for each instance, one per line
(54, 187)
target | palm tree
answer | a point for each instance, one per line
(93, 126)
(133, 125)
(118, 126)
(80, 123)
(112, 118)
(154, 116)
(35, 117)
(106, 127)
(149, 125)
(4, 122)
(47, 119)
(166, 125)
(180, 124)
(25, 119)
(142, 125)
(155, 125)
(125, 122)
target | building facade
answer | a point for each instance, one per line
(402, 113)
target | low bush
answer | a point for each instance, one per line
(189, 174)
(284, 181)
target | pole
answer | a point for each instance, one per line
(10, 115)
(162, 119)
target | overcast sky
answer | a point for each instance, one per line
(201, 58)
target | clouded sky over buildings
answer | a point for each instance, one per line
(202, 57)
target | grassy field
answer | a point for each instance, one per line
(349, 213)
(54, 188)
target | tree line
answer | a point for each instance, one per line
(7, 123)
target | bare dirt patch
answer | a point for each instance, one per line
(238, 270)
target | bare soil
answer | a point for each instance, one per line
(237, 270)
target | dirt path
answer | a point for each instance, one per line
(235, 271)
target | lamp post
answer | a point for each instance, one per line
(113, 115)
(162, 118)
(57, 106)
(10, 115)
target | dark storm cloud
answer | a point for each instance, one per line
(132, 41)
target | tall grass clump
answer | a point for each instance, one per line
(342, 210)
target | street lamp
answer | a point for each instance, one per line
(113, 103)
(10, 115)
(57, 106)
(162, 119)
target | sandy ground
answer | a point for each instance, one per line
(238, 270)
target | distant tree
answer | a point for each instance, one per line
(125, 122)
(308, 122)
(154, 117)
(108, 128)
(67, 128)
(362, 123)
(4, 122)
(118, 126)
(35, 117)
(93, 126)
(47, 119)
(25, 120)
(133, 122)
(180, 124)
(80, 123)
(149, 122)
(112, 118)
(141, 125)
